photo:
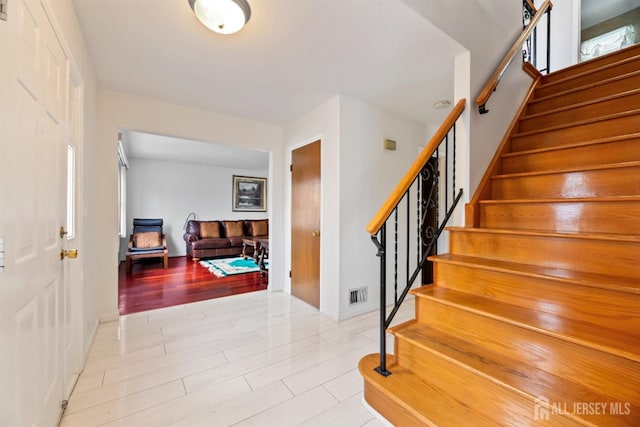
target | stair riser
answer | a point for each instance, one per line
(584, 112)
(586, 94)
(586, 132)
(591, 183)
(389, 408)
(616, 310)
(547, 89)
(621, 217)
(473, 390)
(586, 255)
(593, 64)
(626, 150)
(601, 371)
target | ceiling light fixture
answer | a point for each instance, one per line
(441, 105)
(222, 16)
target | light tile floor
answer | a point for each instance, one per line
(257, 359)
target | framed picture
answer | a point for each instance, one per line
(249, 194)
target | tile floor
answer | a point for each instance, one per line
(257, 359)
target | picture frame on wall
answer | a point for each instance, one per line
(249, 194)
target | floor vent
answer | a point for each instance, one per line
(358, 295)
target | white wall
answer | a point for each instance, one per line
(124, 111)
(565, 33)
(171, 190)
(488, 29)
(322, 123)
(368, 175)
(357, 176)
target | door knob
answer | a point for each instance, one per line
(315, 233)
(71, 253)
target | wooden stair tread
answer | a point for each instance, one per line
(583, 87)
(615, 283)
(602, 199)
(577, 123)
(627, 53)
(546, 83)
(428, 405)
(619, 215)
(581, 104)
(620, 165)
(510, 321)
(514, 375)
(572, 145)
(581, 235)
(589, 335)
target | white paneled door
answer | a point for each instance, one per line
(34, 78)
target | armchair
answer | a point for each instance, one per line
(147, 241)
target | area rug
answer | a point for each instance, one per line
(228, 266)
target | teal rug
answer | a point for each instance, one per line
(229, 266)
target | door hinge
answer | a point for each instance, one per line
(290, 168)
(65, 402)
(3, 9)
(289, 273)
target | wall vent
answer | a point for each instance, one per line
(358, 295)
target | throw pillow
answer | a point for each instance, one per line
(259, 228)
(148, 239)
(209, 230)
(234, 228)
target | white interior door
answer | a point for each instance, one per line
(33, 83)
(72, 271)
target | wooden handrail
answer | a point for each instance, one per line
(396, 195)
(531, 6)
(493, 81)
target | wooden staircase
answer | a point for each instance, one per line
(534, 314)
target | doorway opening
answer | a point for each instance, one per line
(181, 181)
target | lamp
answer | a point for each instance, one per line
(222, 16)
(186, 221)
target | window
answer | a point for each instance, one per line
(71, 190)
(607, 42)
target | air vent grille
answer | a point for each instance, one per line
(358, 295)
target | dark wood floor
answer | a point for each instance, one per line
(149, 286)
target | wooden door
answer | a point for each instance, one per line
(305, 223)
(33, 84)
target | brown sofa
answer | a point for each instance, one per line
(207, 239)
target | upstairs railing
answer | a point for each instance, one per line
(528, 39)
(426, 192)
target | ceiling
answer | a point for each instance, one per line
(596, 11)
(292, 56)
(140, 145)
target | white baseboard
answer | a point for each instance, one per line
(109, 317)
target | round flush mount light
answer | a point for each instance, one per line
(441, 105)
(222, 16)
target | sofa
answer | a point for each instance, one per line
(208, 239)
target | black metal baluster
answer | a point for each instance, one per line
(548, 41)
(395, 258)
(408, 196)
(453, 185)
(426, 238)
(382, 369)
